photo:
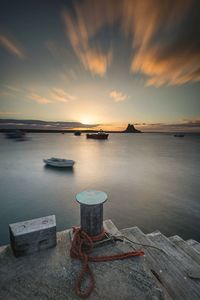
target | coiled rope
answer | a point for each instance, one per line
(82, 245)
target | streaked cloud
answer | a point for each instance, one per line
(69, 75)
(9, 91)
(39, 99)
(6, 93)
(165, 40)
(165, 37)
(190, 125)
(171, 70)
(47, 125)
(12, 47)
(95, 61)
(57, 51)
(117, 96)
(52, 95)
(61, 96)
(9, 113)
(12, 88)
(92, 58)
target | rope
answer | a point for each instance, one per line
(140, 244)
(80, 243)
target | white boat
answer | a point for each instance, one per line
(59, 162)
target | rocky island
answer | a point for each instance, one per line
(131, 129)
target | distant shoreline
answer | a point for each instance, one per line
(3, 130)
(60, 131)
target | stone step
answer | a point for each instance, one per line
(138, 238)
(194, 244)
(182, 261)
(189, 250)
(171, 274)
(142, 277)
(110, 227)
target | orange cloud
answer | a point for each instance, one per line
(92, 58)
(95, 61)
(61, 96)
(11, 47)
(143, 19)
(164, 37)
(53, 95)
(164, 59)
(9, 113)
(39, 99)
(117, 96)
(170, 70)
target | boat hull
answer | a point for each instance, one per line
(97, 136)
(179, 135)
(67, 164)
(16, 134)
(77, 133)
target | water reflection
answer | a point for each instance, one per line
(22, 139)
(152, 180)
(64, 171)
(16, 135)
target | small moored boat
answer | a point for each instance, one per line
(101, 135)
(179, 135)
(59, 162)
(15, 134)
(77, 133)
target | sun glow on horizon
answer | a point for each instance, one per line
(88, 120)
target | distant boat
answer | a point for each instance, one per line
(77, 133)
(101, 135)
(15, 134)
(59, 162)
(179, 135)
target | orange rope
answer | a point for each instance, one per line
(82, 239)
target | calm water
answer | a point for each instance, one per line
(153, 180)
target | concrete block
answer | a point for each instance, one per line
(31, 236)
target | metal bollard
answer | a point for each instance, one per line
(91, 211)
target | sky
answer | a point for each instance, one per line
(102, 62)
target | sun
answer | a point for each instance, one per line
(87, 120)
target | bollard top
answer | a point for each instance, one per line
(91, 197)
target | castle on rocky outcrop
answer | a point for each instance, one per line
(131, 129)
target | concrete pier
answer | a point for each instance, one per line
(169, 273)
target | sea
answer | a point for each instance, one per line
(152, 180)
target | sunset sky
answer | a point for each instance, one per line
(101, 62)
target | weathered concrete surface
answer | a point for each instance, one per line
(51, 274)
(31, 236)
